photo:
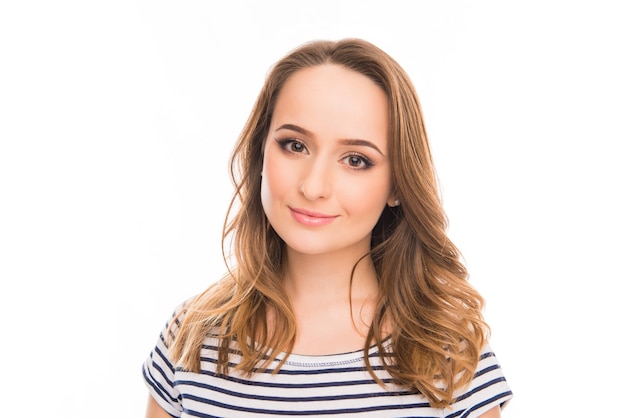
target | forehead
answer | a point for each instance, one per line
(334, 100)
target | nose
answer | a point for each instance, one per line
(316, 180)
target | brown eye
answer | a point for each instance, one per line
(296, 147)
(354, 161)
(357, 162)
(292, 146)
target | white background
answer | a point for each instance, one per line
(117, 119)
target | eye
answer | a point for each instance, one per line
(296, 146)
(292, 145)
(358, 162)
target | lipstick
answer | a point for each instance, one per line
(310, 218)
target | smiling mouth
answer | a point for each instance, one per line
(309, 218)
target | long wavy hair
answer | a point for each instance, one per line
(438, 329)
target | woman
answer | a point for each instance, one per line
(346, 297)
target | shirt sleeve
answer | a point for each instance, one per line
(158, 374)
(488, 389)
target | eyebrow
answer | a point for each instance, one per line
(356, 142)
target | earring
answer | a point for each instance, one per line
(395, 203)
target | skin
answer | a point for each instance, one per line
(153, 410)
(329, 133)
(326, 179)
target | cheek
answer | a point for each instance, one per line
(368, 197)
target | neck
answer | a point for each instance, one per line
(327, 277)
(333, 313)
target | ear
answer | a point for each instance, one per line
(393, 202)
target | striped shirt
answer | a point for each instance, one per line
(329, 385)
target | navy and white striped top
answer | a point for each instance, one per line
(330, 385)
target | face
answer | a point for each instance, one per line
(326, 174)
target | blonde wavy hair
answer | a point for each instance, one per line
(437, 327)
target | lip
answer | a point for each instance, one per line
(310, 218)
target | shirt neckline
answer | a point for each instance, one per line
(327, 360)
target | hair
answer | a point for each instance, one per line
(438, 329)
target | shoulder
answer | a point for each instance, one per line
(173, 323)
(488, 388)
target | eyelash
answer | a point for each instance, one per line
(286, 143)
(367, 163)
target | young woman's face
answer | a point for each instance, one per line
(326, 174)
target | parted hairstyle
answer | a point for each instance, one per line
(437, 328)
